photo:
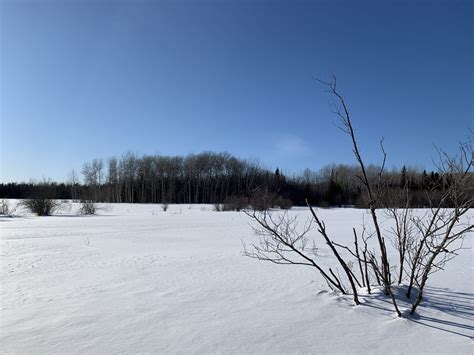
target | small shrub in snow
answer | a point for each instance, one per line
(236, 203)
(41, 206)
(88, 207)
(6, 209)
(164, 206)
(262, 200)
(284, 203)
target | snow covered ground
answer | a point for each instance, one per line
(137, 279)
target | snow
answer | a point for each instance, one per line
(136, 279)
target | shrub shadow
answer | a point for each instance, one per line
(442, 308)
(456, 308)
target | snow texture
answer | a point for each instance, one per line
(136, 279)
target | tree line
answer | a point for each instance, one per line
(220, 177)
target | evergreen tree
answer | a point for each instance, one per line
(403, 177)
(277, 180)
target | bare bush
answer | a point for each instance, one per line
(164, 206)
(88, 207)
(262, 200)
(402, 233)
(41, 206)
(236, 203)
(284, 203)
(441, 231)
(424, 244)
(372, 187)
(282, 242)
(6, 208)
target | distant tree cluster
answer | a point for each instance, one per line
(220, 178)
(36, 190)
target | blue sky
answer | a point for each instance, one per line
(86, 79)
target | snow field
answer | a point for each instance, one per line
(135, 279)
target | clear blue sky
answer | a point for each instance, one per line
(86, 79)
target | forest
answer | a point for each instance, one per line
(222, 178)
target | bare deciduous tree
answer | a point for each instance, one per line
(73, 182)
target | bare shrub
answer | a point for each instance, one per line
(284, 203)
(41, 206)
(236, 203)
(324, 204)
(164, 206)
(6, 208)
(283, 242)
(88, 207)
(424, 244)
(262, 200)
(439, 234)
(402, 231)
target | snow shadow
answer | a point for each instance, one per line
(442, 308)
(454, 311)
